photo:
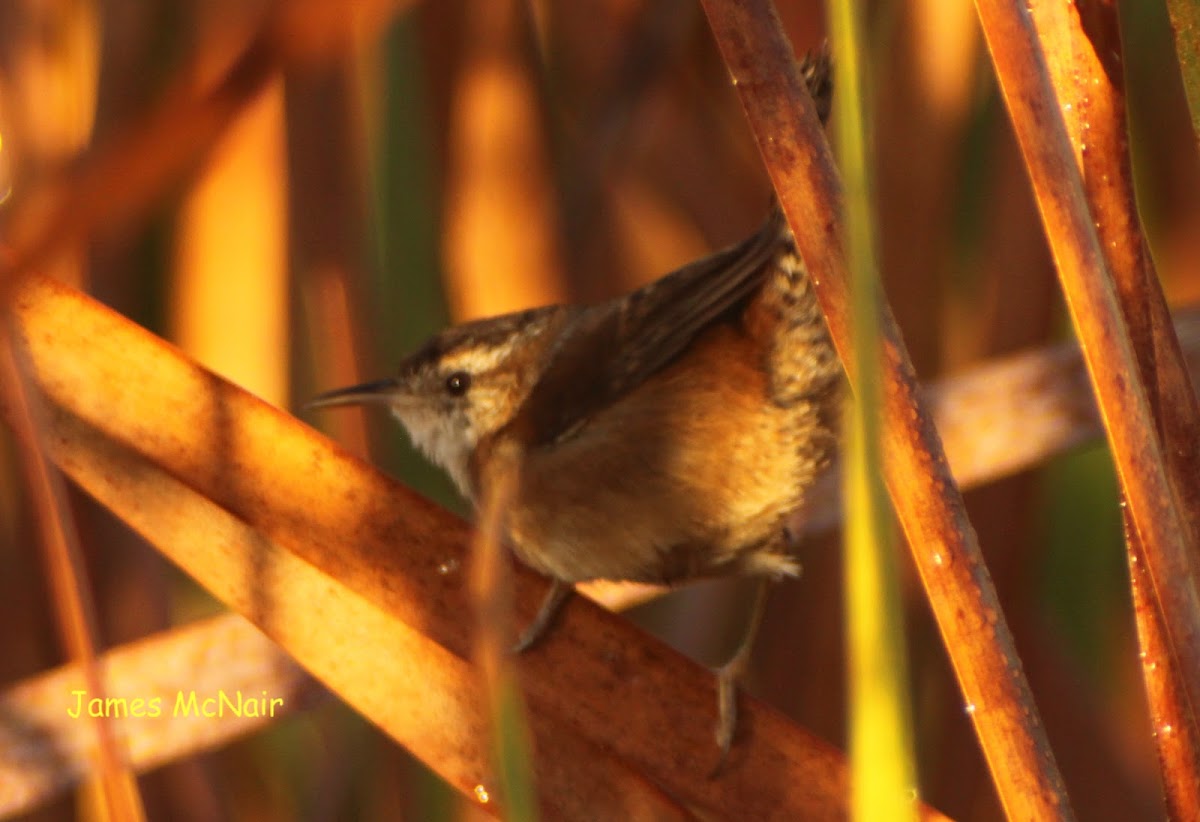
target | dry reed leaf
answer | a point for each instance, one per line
(136, 415)
(1049, 386)
(425, 697)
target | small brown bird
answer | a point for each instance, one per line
(665, 436)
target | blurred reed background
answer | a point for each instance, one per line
(469, 157)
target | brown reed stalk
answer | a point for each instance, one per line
(1084, 56)
(930, 509)
(1059, 69)
(1171, 717)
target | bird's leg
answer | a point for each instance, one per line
(558, 594)
(729, 674)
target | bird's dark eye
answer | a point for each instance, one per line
(458, 383)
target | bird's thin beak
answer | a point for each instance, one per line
(380, 391)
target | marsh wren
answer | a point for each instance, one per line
(665, 436)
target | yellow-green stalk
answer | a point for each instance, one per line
(883, 772)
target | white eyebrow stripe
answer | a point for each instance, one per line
(475, 359)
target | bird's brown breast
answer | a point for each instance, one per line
(691, 474)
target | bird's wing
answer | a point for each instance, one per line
(613, 347)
